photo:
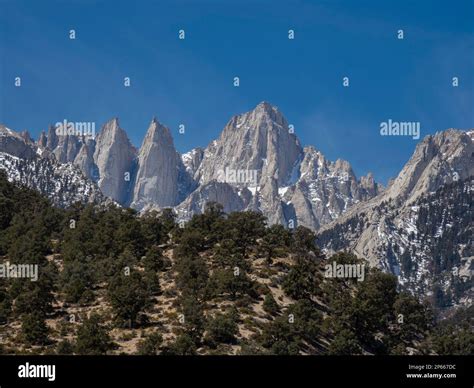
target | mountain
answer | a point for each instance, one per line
(258, 152)
(259, 140)
(107, 159)
(392, 232)
(35, 167)
(161, 180)
(13, 144)
(63, 184)
(257, 163)
(114, 157)
(325, 189)
(418, 228)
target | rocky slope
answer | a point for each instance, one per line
(390, 230)
(63, 184)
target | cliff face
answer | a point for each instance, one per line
(114, 157)
(158, 170)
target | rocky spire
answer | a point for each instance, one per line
(52, 138)
(113, 156)
(42, 140)
(159, 165)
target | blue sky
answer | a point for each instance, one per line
(191, 81)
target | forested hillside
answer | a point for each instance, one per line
(428, 243)
(111, 282)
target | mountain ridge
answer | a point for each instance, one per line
(259, 145)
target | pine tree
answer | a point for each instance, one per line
(270, 305)
(150, 345)
(92, 338)
(34, 329)
(193, 316)
(304, 278)
(129, 296)
(275, 242)
(223, 327)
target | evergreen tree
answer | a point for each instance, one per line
(270, 305)
(245, 228)
(304, 278)
(233, 282)
(34, 329)
(92, 338)
(194, 321)
(345, 342)
(223, 327)
(373, 307)
(275, 242)
(65, 348)
(192, 275)
(304, 241)
(129, 296)
(77, 282)
(150, 345)
(184, 345)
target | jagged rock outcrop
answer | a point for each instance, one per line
(368, 187)
(52, 138)
(158, 170)
(259, 140)
(324, 189)
(257, 151)
(290, 185)
(437, 160)
(42, 140)
(231, 197)
(107, 159)
(192, 160)
(67, 148)
(114, 157)
(85, 160)
(13, 144)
